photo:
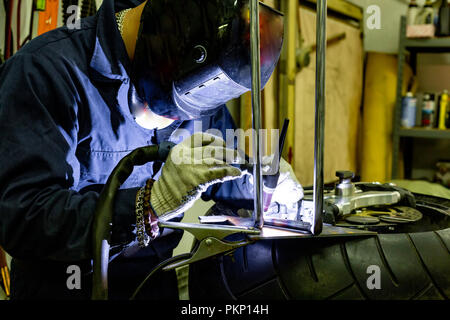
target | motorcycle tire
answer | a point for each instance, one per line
(411, 263)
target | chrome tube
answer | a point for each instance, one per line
(256, 112)
(321, 40)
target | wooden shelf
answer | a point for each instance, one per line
(413, 47)
(425, 133)
(428, 45)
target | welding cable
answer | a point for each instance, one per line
(101, 227)
(161, 265)
(87, 8)
(30, 32)
(19, 2)
(20, 44)
(8, 29)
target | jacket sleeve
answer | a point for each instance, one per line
(41, 214)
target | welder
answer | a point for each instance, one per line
(75, 101)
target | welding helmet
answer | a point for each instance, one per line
(192, 56)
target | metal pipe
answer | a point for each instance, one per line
(291, 73)
(256, 112)
(319, 114)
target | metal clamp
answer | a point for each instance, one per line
(210, 239)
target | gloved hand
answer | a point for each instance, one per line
(191, 167)
(288, 190)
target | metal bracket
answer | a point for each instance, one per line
(363, 199)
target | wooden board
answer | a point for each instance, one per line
(343, 7)
(344, 79)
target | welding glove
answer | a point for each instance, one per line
(191, 167)
(288, 190)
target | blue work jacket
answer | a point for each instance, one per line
(65, 123)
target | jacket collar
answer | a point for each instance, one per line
(109, 59)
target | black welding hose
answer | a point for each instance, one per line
(101, 229)
(161, 265)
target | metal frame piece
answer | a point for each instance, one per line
(321, 19)
(203, 231)
(211, 237)
(328, 231)
(256, 111)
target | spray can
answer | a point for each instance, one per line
(443, 113)
(408, 119)
(447, 117)
(428, 110)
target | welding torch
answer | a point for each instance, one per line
(270, 181)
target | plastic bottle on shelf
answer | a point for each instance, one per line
(408, 119)
(428, 110)
(443, 110)
(428, 12)
(443, 28)
(447, 116)
(413, 10)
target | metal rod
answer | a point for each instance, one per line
(256, 112)
(291, 74)
(319, 114)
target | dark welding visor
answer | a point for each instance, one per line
(192, 56)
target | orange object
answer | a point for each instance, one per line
(49, 17)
